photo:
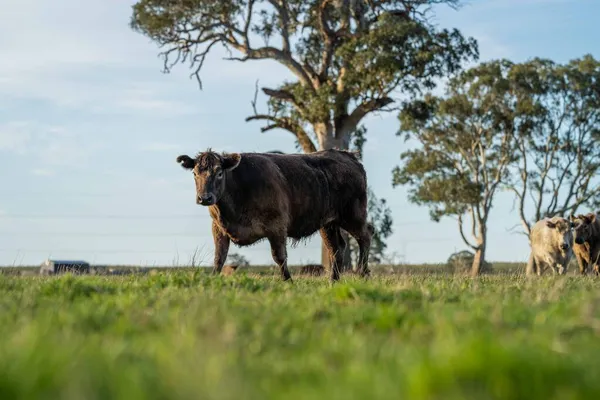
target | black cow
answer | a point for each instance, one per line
(255, 196)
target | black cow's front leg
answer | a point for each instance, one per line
(279, 253)
(221, 248)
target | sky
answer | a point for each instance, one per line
(90, 128)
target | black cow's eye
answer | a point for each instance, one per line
(219, 174)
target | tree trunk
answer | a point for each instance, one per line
(479, 258)
(347, 263)
(327, 140)
(478, 261)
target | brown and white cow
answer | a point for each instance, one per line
(551, 246)
(586, 235)
(256, 196)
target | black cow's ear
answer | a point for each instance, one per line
(186, 161)
(231, 161)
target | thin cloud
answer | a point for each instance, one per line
(93, 60)
(49, 145)
(491, 48)
(106, 98)
(63, 154)
(152, 104)
(158, 146)
(42, 172)
(14, 136)
(512, 3)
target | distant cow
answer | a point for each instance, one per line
(229, 269)
(312, 269)
(586, 235)
(255, 196)
(551, 246)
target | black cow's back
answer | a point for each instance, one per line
(313, 189)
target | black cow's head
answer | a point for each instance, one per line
(583, 227)
(210, 174)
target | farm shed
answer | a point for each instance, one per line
(51, 267)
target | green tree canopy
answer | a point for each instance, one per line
(349, 58)
(465, 146)
(558, 141)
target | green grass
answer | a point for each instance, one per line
(186, 335)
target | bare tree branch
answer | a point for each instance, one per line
(289, 125)
(284, 20)
(273, 53)
(462, 234)
(363, 109)
(328, 36)
(474, 220)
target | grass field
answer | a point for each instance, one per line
(187, 335)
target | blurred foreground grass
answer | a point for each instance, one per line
(186, 335)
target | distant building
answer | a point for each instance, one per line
(52, 267)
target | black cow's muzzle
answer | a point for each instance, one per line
(206, 199)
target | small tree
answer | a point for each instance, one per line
(465, 145)
(237, 259)
(349, 57)
(558, 141)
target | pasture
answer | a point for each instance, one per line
(417, 333)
